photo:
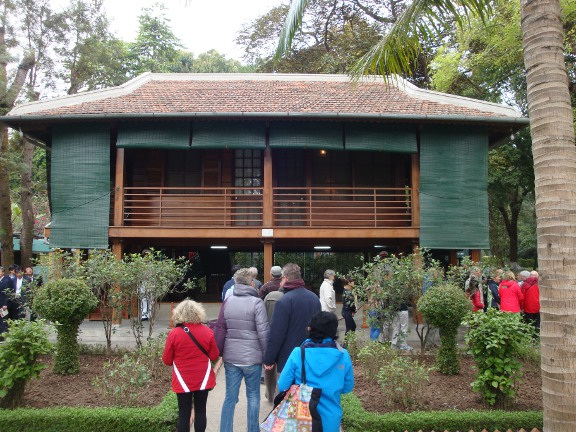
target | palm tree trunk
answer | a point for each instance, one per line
(551, 126)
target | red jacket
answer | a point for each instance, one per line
(511, 297)
(191, 368)
(531, 295)
(476, 300)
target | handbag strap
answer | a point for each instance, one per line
(187, 330)
(303, 376)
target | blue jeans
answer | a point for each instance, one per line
(234, 375)
(375, 325)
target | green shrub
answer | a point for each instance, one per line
(65, 302)
(356, 419)
(161, 418)
(351, 344)
(25, 342)
(373, 356)
(402, 380)
(495, 338)
(123, 377)
(444, 306)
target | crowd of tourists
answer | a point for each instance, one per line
(272, 332)
(15, 292)
(507, 292)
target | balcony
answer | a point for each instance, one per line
(231, 207)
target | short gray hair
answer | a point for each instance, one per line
(291, 271)
(254, 271)
(244, 276)
(328, 273)
(188, 311)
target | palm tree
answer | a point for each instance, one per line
(554, 150)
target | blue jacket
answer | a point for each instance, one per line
(327, 368)
(288, 327)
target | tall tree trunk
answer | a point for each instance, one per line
(26, 206)
(6, 233)
(551, 126)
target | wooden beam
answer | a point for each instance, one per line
(268, 206)
(268, 259)
(119, 189)
(415, 180)
(475, 255)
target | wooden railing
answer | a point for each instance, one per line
(193, 207)
(244, 207)
(342, 207)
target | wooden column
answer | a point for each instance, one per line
(268, 199)
(119, 189)
(415, 180)
(453, 257)
(268, 259)
(475, 255)
(117, 250)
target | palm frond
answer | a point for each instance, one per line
(395, 52)
(291, 25)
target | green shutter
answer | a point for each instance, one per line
(80, 181)
(453, 188)
(384, 137)
(229, 134)
(159, 135)
(317, 135)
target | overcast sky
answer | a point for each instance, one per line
(200, 25)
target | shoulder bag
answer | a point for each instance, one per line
(297, 407)
(219, 328)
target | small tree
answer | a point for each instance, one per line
(25, 342)
(65, 302)
(495, 340)
(103, 274)
(149, 277)
(444, 306)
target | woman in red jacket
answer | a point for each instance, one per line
(511, 297)
(531, 292)
(192, 374)
(475, 296)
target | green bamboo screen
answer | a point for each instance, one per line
(160, 135)
(388, 137)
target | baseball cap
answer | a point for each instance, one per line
(276, 271)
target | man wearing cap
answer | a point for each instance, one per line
(290, 319)
(524, 274)
(273, 284)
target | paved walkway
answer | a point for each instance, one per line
(92, 332)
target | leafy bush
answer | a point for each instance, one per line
(356, 419)
(495, 339)
(65, 302)
(122, 377)
(373, 356)
(351, 344)
(444, 306)
(25, 342)
(402, 380)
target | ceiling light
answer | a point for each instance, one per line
(322, 247)
(218, 247)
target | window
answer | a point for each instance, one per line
(248, 171)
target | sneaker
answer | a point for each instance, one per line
(405, 348)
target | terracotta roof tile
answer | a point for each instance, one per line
(236, 95)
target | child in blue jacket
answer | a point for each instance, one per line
(328, 366)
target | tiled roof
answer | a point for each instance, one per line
(241, 94)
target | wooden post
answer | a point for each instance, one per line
(415, 180)
(119, 189)
(475, 255)
(268, 259)
(364, 323)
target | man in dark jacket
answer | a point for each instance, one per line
(290, 318)
(273, 284)
(6, 289)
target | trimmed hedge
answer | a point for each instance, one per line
(162, 418)
(357, 419)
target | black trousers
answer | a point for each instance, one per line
(185, 400)
(349, 320)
